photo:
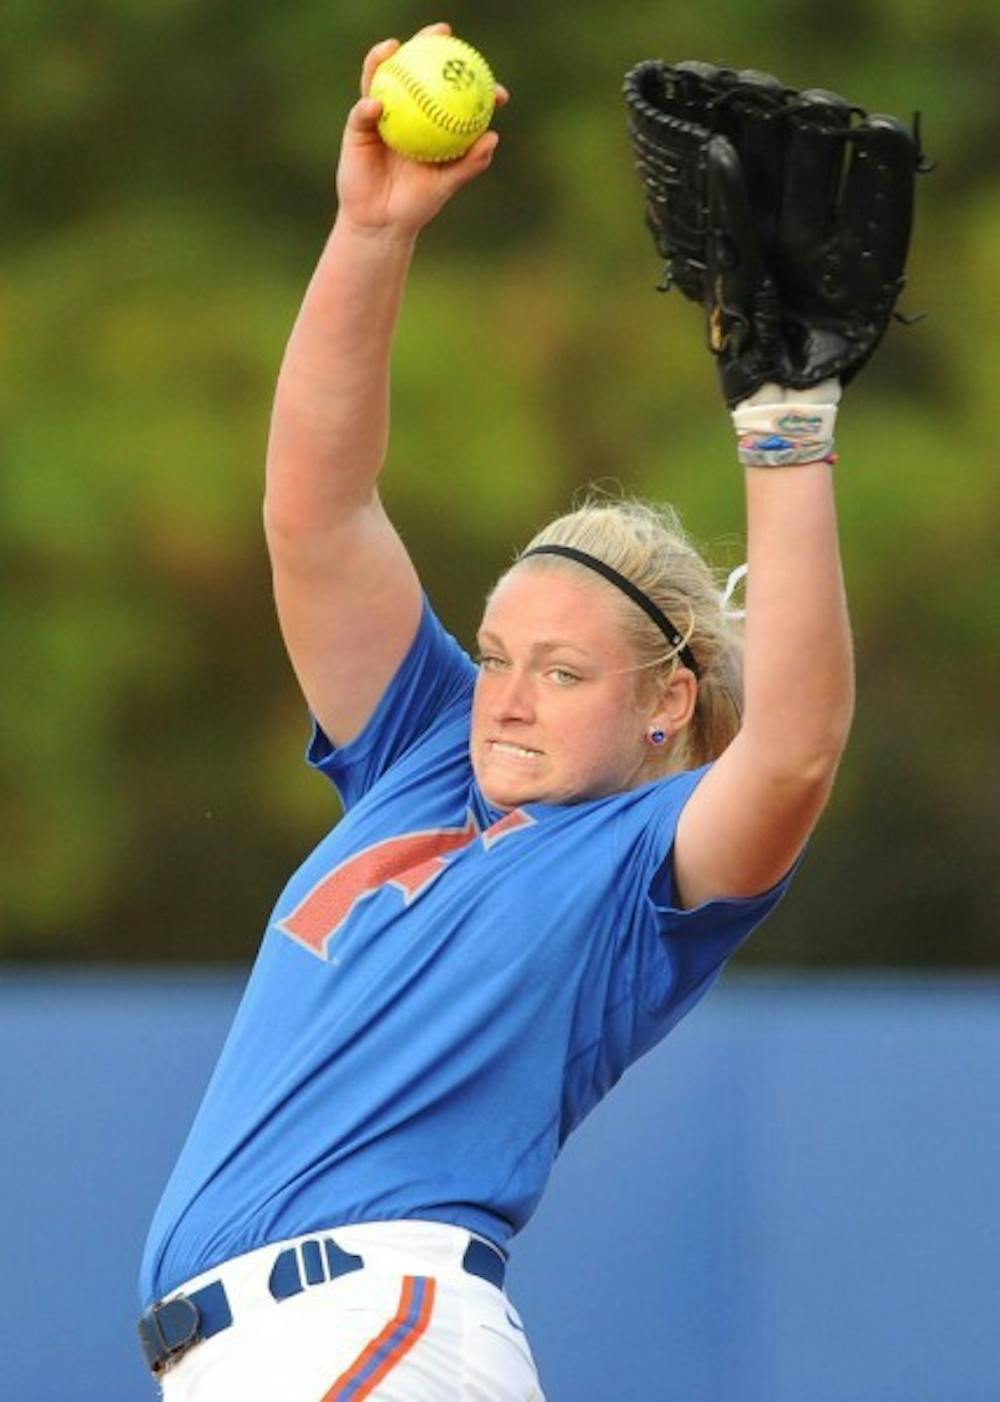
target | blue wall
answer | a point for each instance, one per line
(794, 1199)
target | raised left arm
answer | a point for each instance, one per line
(749, 817)
(787, 215)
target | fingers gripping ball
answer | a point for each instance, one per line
(437, 96)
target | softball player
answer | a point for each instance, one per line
(546, 857)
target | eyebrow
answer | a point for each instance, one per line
(546, 645)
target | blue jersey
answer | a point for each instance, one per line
(443, 992)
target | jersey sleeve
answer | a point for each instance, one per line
(433, 683)
(677, 954)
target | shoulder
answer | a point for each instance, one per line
(427, 699)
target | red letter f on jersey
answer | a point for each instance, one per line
(410, 862)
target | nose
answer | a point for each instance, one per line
(512, 697)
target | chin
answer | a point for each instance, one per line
(507, 796)
(506, 791)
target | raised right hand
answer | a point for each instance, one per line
(380, 190)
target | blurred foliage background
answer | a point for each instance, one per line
(167, 183)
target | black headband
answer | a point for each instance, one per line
(672, 634)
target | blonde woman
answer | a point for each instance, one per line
(546, 857)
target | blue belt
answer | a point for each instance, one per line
(167, 1330)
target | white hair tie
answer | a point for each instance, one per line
(735, 578)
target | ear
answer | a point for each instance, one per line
(674, 706)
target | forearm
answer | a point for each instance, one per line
(798, 668)
(330, 420)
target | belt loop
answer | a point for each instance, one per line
(486, 1261)
(285, 1279)
(338, 1261)
(312, 1262)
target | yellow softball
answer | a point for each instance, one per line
(437, 95)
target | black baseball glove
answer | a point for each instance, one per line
(786, 214)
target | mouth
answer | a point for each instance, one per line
(508, 748)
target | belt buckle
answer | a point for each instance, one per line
(161, 1352)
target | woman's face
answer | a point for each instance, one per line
(555, 716)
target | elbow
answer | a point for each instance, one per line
(293, 542)
(812, 768)
(803, 759)
(280, 524)
(298, 511)
(816, 771)
(821, 751)
(794, 790)
(838, 731)
(292, 522)
(283, 534)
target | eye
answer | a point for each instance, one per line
(489, 662)
(563, 677)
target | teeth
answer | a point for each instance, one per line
(513, 749)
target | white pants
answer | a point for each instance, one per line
(412, 1326)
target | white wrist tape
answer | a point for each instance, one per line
(778, 427)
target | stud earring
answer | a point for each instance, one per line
(657, 736)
